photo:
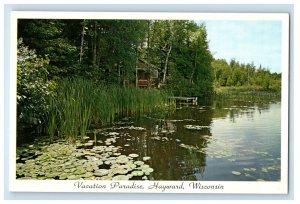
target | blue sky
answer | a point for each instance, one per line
(246, 41)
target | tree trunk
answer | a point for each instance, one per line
(98, 58)
(193, 72)
(82, 43)
(148, 65)
(119, 72)
(95, 44)
(136, 64)
(166, 64)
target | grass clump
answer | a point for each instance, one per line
(79, 103)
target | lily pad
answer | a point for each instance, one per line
(109, 162)
(119, 170)
(101, 172)
(147, 171)
(272, 168)
(121, 177)
(107, 177)
(137, 173)
(74, 177)
(146, 158)
(50, 175)
(64, 176)
(190, 147)
(88, 144)
(139, 163)
(135, 128)
(249, 176)
(133, 155)
(87, 174)
(122, 159)
(113, 133)
(236, 173)
(195, 127)
(79, 171)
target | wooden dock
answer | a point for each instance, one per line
(186, 100)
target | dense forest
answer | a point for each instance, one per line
(105, 53)
(235, 74)
(108, 50)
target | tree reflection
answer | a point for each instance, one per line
(176, 152)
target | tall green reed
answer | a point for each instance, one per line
(80, 103)
(51, 118)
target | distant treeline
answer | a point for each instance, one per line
(235, 74)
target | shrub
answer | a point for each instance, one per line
(33, 88)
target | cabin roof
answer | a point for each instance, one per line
(143, 64)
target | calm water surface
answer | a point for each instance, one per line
(236, 141)
(220, 140)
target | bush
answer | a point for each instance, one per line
(33, 88)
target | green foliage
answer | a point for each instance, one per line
(111, 48)
(80, 102)
(73, 113)
(49, 38)
(108, 50)
(33, 88)
(190, 64)
(247, 76)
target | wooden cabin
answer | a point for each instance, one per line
(141, 76)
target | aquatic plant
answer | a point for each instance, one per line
(85, 118)
(80, 102)
(51, 126)
(257, 96)
(61, 161)
(236, 173)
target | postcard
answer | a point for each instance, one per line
(149, 102)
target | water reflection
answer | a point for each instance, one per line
(233, 136)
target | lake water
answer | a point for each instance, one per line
(219, 140)
(233, 138)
